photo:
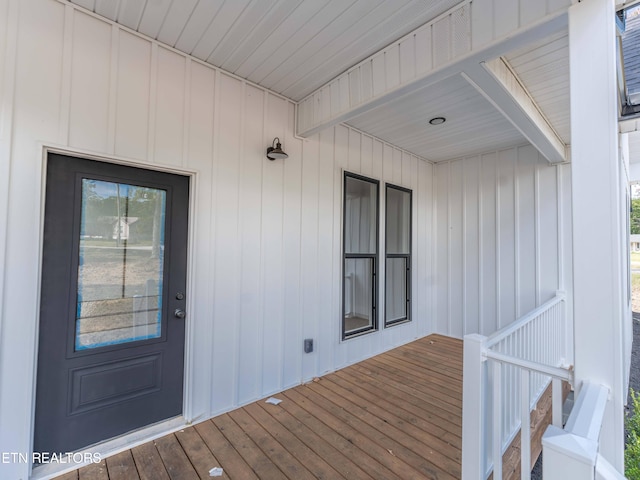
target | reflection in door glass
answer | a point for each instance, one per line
(120, 266)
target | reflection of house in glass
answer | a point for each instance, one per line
(122, 227)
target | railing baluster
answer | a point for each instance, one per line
(497, 423)
(525, 427)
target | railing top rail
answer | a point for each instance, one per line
(503, 333)
(557, 372)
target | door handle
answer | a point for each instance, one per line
(179, 313)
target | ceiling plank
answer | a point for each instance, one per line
(496, 81)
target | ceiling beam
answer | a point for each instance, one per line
(497, 82)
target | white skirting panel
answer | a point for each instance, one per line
(502, 221)
(265, 269)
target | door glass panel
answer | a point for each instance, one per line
(120, 266)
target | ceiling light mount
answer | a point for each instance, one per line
(276, 152)
(437, 121)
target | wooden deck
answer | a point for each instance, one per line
(394, 416)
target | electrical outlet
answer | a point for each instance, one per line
(308, 345)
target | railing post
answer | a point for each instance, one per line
(567, 456)
(473, 453)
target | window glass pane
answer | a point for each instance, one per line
(398, 221)
(396, 285)
(358, 294)
(361, 211)
(121, 264)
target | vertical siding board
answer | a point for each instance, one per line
(366, 81)
(226, 276)
(408, 59)
(417, 324)
(252, 164)
(292, 331)
(67, 64)
(113, 89)
(442, 247)
(325, 101)
(272, 218)
(378, 75)
(201, 115)
(547, 200)
(355, 154)
(309, 251)
(506, 246)
(132, 110)
(90, 75)
(397, 167)
(460, 33)
(531, 11)
(169, 111)
(482, 26)
(471, 268)
(441, 41)
(527, 247)
(488, 254)
(506, 16)
(341, 152)
(392, 65)
(423, 50)
(335, 99)
(345, 98)
(366, 155)
(326, 329)
(428, 274)
(354, 87)
(456, 253)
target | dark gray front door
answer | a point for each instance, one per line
(111, 341)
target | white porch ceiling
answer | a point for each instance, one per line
(288, 46)
(543, 69)
(473, 125)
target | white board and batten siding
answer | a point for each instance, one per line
(430, 50)
(265, 248)
(503, 243)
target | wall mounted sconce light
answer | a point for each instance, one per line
(276, 152)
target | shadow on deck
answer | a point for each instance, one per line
(397, 415)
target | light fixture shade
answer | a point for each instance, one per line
(276, 152)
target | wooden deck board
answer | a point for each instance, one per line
(149, 463)
(395, 416)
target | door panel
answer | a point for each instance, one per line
(111, 352)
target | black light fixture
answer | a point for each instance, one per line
(437, 120)
(276, 152)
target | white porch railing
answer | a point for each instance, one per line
(572, 452)
(503, 378)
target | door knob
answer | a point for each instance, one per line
(179, 313)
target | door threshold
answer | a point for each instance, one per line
(107, 448)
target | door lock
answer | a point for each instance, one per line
(179, 313)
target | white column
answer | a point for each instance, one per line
(473, 445)
(597, 228)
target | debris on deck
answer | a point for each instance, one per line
(216, 472)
